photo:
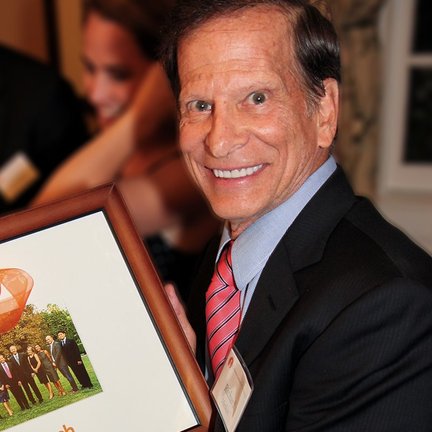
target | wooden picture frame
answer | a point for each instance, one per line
(89, 242)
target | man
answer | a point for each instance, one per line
(336, 328)
(22, 371)
(12, 383)
(73, 358)
(59, 361)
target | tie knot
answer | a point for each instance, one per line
(224, 270)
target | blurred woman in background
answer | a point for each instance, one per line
(137, 145)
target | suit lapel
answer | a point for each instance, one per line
(196, 302)
(307, 237)
(274, 296)
(302, 245)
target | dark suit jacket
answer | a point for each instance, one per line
(71, 352)
(57, 355)
(39, 115)
(338, 336)
(21, 370)
(5, 379)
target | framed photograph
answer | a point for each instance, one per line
(86, 329)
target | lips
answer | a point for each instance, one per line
(15, 288)
(236, 173)
(108, 114)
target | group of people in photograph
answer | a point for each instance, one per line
(19, 369)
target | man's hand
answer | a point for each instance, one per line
(181, 315)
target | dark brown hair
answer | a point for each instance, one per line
(316, 44)
(142, 18)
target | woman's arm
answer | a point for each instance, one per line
(48, 356)
(100, 160)
(38, 363)
(31, 366)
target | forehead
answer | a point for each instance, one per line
(104, 36)
(257, 38)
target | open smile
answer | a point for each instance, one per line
(236, 173)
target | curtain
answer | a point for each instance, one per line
(356, 22)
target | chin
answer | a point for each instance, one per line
(106, 122)
(233, 213)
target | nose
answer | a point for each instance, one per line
(227, 133)
(96, 89)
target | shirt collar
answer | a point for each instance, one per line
(253, 247)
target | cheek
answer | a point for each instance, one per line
(88, 81)
(276, 127)
(124, 92)
(276, 138)
(192, 168)
(191, 137)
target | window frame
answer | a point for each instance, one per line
(395, 174)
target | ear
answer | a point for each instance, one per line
(328, 111)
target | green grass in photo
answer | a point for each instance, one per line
(57, 402)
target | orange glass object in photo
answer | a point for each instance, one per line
(15, 288)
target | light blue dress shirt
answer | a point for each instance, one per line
(253, 247)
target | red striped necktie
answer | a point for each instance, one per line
(222, 311)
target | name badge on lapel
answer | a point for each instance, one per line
(232, 390)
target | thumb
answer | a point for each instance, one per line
(181, 315)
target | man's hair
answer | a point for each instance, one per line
(315, 42)
(142, 18)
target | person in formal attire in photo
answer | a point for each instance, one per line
(4, 398)
(41, 124)
(11, 382)
(22, 370)
(36, 366)
(47, 364)
(71, 353)
(59, 362)
(328, 304)
(137, 143)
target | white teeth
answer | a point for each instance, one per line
(237, 173)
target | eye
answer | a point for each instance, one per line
(258, 98)
(88, 66)
(120, 74)
(199, 106)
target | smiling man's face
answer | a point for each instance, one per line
(245, 129)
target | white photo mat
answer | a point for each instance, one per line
(79, 265)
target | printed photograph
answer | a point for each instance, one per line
(44, 365)
(68, 299)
